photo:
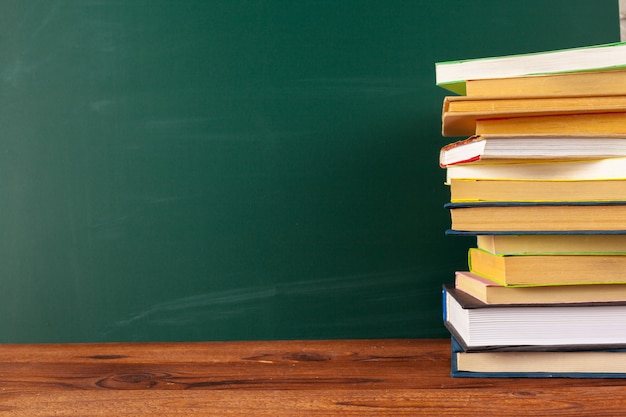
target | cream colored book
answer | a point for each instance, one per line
(599, 169)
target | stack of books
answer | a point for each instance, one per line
(539, 177)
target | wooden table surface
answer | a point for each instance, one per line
(280, 378)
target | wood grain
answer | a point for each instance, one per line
(282, 378)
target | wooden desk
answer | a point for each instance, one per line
(291, 378)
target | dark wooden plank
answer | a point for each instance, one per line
(282, 378)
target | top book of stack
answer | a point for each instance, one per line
(570, 91)
(460, 76)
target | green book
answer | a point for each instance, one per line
(452, 75)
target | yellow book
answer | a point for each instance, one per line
(552, 244)
(515, 217)
(460, 113)
(578, 83)
(499, 105)
(546, 270)
(584, 123)
(490, 292)
(476, 190)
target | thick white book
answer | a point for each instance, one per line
(606, 168)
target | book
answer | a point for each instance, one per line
(567, 326)
(505, 105)
(585, 123)
(576, 216)
(612, 168)
(543, 270)
(490, 292)
(529, 147)
(563, 84)
(477, 190)
(530, 244)
(554, 363)
(452, 75)
(460, 113)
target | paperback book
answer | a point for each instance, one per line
(594, 169)
(532, 147)
(460, 113)
(551, 85)
(561, 124)
(453, 75)
(491, 292)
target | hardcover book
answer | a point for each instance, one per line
(512, 217)
(567, 326)
(477, 190)
(525, 270)
(570, 243)
(534, 364)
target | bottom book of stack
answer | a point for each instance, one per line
(576, 340)
(610, 363)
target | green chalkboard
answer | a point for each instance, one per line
(231, 169)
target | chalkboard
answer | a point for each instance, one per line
(238, 169)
